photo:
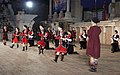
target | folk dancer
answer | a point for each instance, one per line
(115, 44)
(70, 45)
(60, 50)
(15, 39)
(83, 42)
(73, 34)
(5, 35)
(31, 37)
(25, 37)
(48, 37)
(93, 47)
(41, 42)
(57, 37)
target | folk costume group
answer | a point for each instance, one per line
(63, 41)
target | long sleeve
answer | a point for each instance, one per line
(89, 32)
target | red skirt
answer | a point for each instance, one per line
(61, 49)
(24, 40)
(41, 43)
(57, 37)
(15, 40)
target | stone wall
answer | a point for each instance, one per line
(114, 8)
(24, 19)
(107, 28)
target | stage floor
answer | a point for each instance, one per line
(17, 62)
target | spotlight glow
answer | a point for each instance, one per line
(29, 4)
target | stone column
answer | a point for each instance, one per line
(113, 28)
(113, 1)
(50, 8)
(104, 34)
(68, 5)
(76, 9)
(68, 13)
(80, 30)
(112, 9)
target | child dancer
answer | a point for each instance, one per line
(5, 35)
(25, 37)
(60, 49)
(41, 42)
(31, 37)
(70, 45)
(15, 38)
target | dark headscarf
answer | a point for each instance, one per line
(95, 20)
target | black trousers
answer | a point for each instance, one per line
(83, 44)
(70, 49)
(115, 47)
(31, 42)
(56, 42)
(47, 44)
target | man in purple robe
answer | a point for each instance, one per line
(93, 46)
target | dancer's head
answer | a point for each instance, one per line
(5, 27)
(25, 27)
(84, 31)
(41, 26)
(60, 27)
(95, 20)
(116, 31)
(17, 29)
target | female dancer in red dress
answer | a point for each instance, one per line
(15, 38)
(60, 49)
(41, 42)
(5, 35)
(25, 37)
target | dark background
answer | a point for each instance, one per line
(41, 7)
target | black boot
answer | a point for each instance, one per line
(62, 57)
(23, 48)
(92, 68)
(4, 43)
(42, 50)
(56, 58)
(39, 48)
(12, 46)
(26, 48)
(17, 45)
(112, 50)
